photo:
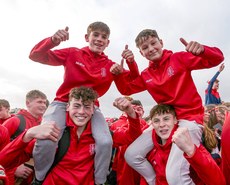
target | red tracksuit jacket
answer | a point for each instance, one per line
(169, 81)
(82, 67)
(12, 125)
(4, 137)
(127, 131)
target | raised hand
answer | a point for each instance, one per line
(124, 105)
(60, 36)
(182, 139)
(127, 54)
(221, 68)
(117, 68)
(193, 47)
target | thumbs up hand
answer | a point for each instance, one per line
(60, 36)
(127, 54)
(193, 47)
(117, 68)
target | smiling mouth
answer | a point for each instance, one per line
(163, 132)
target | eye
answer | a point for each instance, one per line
(155, 120)
(153, 43)
(104, 36)
(95, 34)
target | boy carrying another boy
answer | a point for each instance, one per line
(89, 67)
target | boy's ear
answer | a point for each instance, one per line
(162, 44)
(108, 43)
(86, 38)
(140, 52)
(27, 102)
(67, 107)
(175, 120)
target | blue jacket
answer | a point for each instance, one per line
(211, 95)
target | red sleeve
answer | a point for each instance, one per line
(16, 152)
(211, 57)
(205, 167)
(133, 68)
(42, 53)
(12, 125)
(127, 86)
(4, 137)
(126, 135)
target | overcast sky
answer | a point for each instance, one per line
(25, 22)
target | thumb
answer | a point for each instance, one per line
(66, 28)
(183, 41)
(122, 63)
(126, 46)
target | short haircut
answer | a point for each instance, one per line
(4, 103)
(86, 94)
(95, 26)
(144, 35)
(162, 109)
(33, 94)
(136, 102)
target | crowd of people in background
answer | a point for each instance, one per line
(182, 140)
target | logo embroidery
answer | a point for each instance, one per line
(80, 64)
(92, 149)
(149, 80)
(170, 71)
(103, 72)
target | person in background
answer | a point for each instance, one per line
(36, 105)
(124, 173)
(210, 137)
(4, 111)
(212, 95)
(168, 79)
(87, 66)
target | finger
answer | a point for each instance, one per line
(66, 28)
(122, 62)
(183, 41)
(126, 46)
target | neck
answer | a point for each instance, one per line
(80, 130)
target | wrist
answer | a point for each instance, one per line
(190, 152)
(27, 137)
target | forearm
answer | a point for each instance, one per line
(133, 68)
(213, 55)
(126, 86)
(16, 151)
(42, 53)
(205, 167)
